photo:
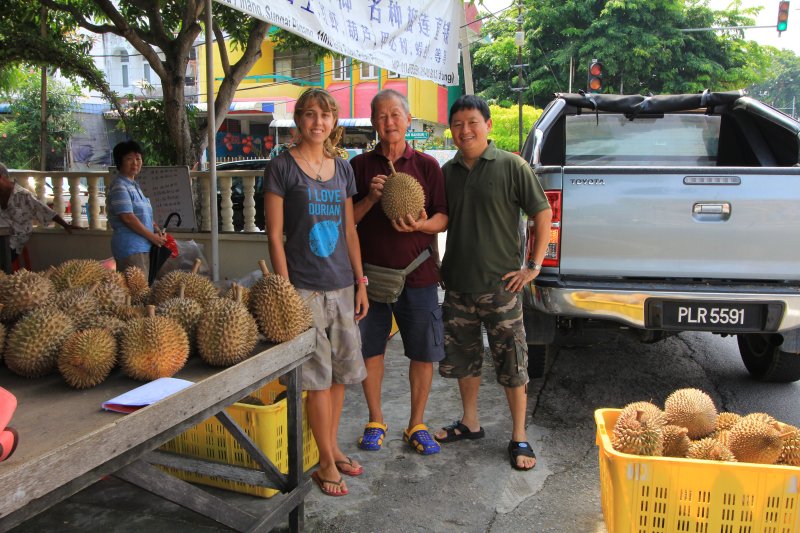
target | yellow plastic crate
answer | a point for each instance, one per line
(668, 495)
(265, 425)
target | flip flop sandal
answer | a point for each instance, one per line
(517, 449)
(352, 470)
(321, 484)
(374, 433)
(463, 433)
(419, 439)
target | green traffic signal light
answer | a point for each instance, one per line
(783, 16)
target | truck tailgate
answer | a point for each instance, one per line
(718, 223)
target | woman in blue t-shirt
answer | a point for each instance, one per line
(130, 213)
(308, 197)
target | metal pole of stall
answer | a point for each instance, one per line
(212, 145)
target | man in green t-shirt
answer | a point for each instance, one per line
(483, 271)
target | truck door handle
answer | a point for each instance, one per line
(710, 211)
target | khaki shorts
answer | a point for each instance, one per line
(141, 260)
(500, 312)
(337, 358)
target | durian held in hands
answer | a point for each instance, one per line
(694, 430)
(402, 196)
(280, 312)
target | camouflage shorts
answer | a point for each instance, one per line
(500, 312)
(337, 358)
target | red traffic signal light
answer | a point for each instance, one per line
(783, 16)
(595, 82)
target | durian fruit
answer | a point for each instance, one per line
(137, 285)
(110, 297)
(226, 333)
(231, 294)
(152, 347)
(638, 429)
(764, 418)
(198, 287)
(80, 304)
(78, 273)
(725, 421)
(126, 311)
(23, 291)
(110, 323)
(280, 312)
(675, 441)
(116, 278)
(709, 449)
(402, 195)
(185, 311)
(87, 357)
(692, 409)
(721, 435)
(752, 440)
(790, 450)
(33, 343)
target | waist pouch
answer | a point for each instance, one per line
(386, 284)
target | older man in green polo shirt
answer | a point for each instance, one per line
(483, 271)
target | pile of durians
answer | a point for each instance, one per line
(83, 320)
(690, 427)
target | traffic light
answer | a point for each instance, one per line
(595, 81)
(783, 16)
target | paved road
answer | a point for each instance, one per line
(470, 486)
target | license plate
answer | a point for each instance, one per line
(707, 316)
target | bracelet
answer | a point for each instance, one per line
(363, 280)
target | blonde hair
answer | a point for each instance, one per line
(327, 103)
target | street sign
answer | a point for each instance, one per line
(417, 135)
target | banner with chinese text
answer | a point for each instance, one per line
(417, 38)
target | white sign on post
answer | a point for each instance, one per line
(169, 190)
(417, 38)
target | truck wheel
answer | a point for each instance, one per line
(539, 357)
(766, 361)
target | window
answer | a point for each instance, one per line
(298, 65)
(341, 68)
(670, 140)
(147, 73)
(368, 72)
(390, 74)
(123, 60)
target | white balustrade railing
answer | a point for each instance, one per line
(82, 192)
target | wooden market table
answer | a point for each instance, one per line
(67, 442)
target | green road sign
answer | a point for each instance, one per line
(417, 135)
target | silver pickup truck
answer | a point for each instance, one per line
(670, 213)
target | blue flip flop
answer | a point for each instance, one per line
(374, 433)
(419, 439)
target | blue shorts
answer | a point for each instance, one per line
(419, 318)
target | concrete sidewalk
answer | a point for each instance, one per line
(469, 486)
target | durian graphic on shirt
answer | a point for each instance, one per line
(324, 235)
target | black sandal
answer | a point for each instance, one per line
(519, 448)
(463, 433)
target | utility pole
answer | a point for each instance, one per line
(43, 123)
(519, 39)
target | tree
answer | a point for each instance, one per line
(150, 26)
(781, 89)
(505, 125)
(638, 41)
(20, 135)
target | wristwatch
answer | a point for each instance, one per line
(362, 280)
(533, 266)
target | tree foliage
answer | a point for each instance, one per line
(20, 133)
(145, 123)
(150, 26)
(505, 125)
(640, 43)
(781, 89)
